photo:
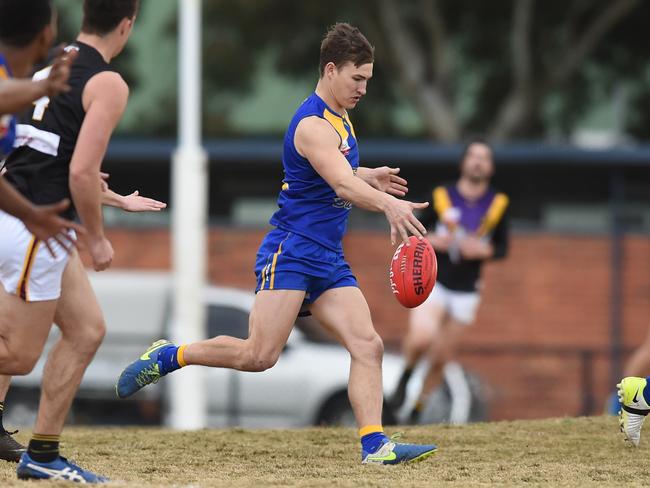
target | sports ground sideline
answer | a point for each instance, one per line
(563, 452)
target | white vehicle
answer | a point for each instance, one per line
(307, 386)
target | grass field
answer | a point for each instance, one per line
(558, 452)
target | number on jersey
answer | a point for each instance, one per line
(40, 105)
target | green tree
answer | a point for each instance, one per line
(510, 69)
(464, 66)
(148, 64)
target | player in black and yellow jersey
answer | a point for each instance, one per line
(27, 29)
(60, 149)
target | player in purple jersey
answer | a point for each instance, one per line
(301, 261)
(467, 226)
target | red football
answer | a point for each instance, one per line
(413, 272)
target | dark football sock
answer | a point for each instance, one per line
(43, 448)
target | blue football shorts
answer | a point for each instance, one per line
(288, 261)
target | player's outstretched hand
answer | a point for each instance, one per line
(136, 203)
(386, 179)
(403, 222)
(45, 223)
(57, 80)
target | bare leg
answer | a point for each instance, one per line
(271, 320)
(5, 382)
(80, 319)
(639, 362)
(424, 324)
(24, 327)
(442, 351)
(10, 449)
(345, 312)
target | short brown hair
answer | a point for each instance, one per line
(342, 43)
(103, 16)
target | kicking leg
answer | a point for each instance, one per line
(271, 320)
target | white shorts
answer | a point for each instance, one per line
(460, 305)
(27, 269)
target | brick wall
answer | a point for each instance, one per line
(551, 294)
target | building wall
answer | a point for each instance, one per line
(546, 308)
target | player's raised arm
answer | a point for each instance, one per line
(19, 94)
(316, 140)
(104, 99)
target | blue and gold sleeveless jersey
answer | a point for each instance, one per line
(308, 205)
(7, 121)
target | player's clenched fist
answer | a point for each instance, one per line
(101, 251)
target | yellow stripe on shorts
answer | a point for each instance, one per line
(275, 260)
(23, 284)
(264, 276)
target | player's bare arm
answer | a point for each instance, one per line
(316, 140)
(133, 202)
(104, 99)
(17, 95)
(384, 179)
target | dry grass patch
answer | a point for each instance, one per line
(558, 452)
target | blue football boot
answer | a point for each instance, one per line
(60, 470)
(142, 372)
(394, 453)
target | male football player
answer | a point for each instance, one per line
(301, 260)
(60, 150)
